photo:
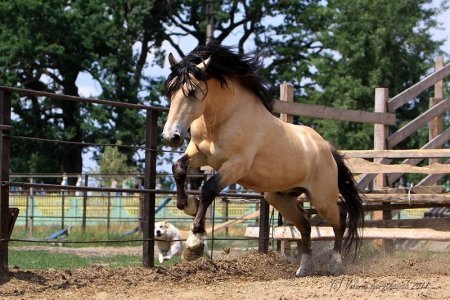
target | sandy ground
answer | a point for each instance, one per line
(413, 275)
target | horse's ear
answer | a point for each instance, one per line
(172, 60)
(204, 64)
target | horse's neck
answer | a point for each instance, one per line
(225, 103)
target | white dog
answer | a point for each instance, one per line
(168, 240)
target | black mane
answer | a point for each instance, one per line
(225, 64)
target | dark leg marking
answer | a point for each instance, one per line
(339, 233)
(209, 191)
(179, 170)
(305, 230)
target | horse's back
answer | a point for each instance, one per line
(288, 156)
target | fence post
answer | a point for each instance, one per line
(435, 125)
(264, 226)
(286, 94)
(5, 122)
(151, 142)
(227, 214)
(31, 215)
(108, 214)
(83, 220)
(380, 138)
(63, 200)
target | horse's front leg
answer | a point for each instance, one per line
(196, 243)
(180, 169)
(229, 173)
(209, 192)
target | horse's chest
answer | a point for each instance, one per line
(212, 152)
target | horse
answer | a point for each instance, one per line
(221, 96)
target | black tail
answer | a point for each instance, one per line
(352, 200)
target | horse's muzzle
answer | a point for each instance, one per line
(173, 135)
(173, 140)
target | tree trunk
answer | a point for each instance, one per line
(71, 155)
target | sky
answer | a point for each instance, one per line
(89, 88)
(444, 33)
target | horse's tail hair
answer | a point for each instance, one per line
(352, 201)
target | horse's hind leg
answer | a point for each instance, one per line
(287, 204)
(325, 202)
(336, 265)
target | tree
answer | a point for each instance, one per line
(130, 31)
(112, 161)
(372, 44)
(335, 53)
(236, 21)
(46, 45)
(290, 41)
(37, 53)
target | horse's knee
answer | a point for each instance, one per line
(180, 167)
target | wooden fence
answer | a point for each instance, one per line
(378, 174)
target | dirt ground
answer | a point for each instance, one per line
(413, 275)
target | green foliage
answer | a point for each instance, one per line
(37, 53)
(46, 45)
(372, 44)
(112, 161)
(334, 52)
(291, 41)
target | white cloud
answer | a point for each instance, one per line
(87, 86)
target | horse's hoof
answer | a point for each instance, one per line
(192, 206)
(336, 267)
(195, 247)
(306, 266)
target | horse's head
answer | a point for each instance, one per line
(186, 89)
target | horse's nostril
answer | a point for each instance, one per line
(175, 139)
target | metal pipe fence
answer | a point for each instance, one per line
(84, 205)
(62, 209)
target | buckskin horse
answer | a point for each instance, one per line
(220, 95)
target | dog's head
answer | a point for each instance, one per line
(161, 228)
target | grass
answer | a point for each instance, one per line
(39, 259)
(89, 238)
(31, 259)
(98, 236)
